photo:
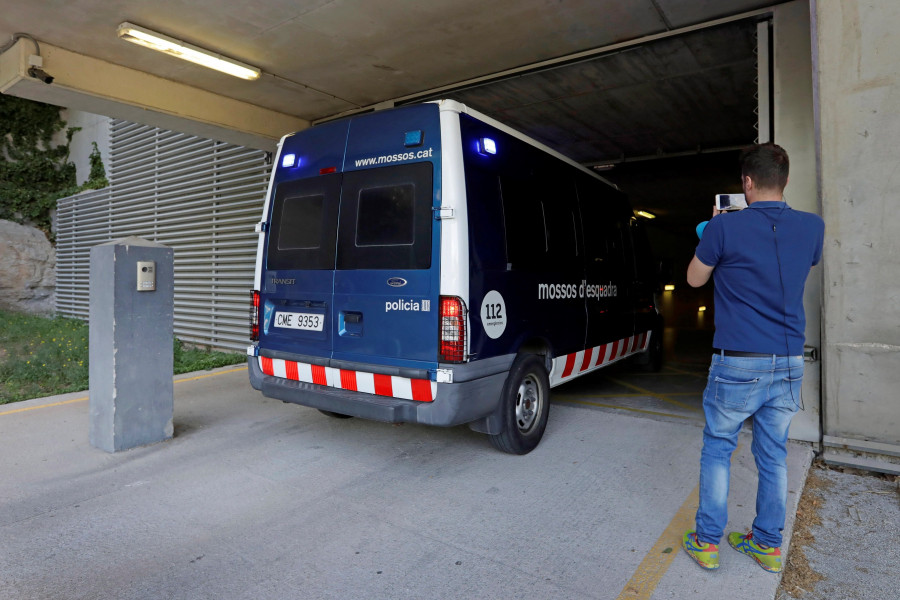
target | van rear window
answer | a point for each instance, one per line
(301, 223)
(386, 216)
(304, 223)
(385, 220)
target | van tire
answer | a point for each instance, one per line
(334, 415)
(524, 407)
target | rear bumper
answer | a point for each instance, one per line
(475, 399)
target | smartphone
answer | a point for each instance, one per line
(730, 202)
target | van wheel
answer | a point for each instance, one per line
(525, 406)
(335, 415)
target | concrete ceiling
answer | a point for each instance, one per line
(564, 71)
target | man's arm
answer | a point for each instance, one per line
(698, 273)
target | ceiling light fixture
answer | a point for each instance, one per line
(645, 214)
(163, 43)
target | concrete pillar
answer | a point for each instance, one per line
(857, 99)
(794, 126)
(131, 336)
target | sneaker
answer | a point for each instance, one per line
(769, 558)
(705, 555)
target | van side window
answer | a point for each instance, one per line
(562, 223)
(541, 222)
(604, 228)
(487, 238)
(524, 218)
(645, 262)
(301, 223)
(386, 216)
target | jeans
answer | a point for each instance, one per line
(767, 389)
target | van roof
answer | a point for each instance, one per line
(459, 107)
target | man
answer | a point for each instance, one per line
(759, 259)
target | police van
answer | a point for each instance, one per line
(428, 264)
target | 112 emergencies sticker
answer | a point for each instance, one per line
(493, 314)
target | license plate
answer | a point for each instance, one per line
(304, 321)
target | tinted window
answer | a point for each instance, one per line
(540, 218)
(304, 222)
(606, 219)
(645, 262)
(301, 223)
(386, 216)
(524, 220)
(559, 211)
(487, 240)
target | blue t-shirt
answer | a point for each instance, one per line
(762, 256)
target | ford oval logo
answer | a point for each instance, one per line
(396, 282)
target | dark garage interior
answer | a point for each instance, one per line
(663, 120)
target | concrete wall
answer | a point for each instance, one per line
(857, 86)
(795, 131)
(94, 128)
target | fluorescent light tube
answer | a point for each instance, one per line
(163, 43)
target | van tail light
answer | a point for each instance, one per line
(453, 329)
(254, 316)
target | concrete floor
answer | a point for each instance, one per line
(258, 499)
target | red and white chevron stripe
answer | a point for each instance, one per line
(421, 390)
(570, 366)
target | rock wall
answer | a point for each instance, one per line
(27, 269)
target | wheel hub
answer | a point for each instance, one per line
(528, 403)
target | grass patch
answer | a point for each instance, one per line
(40, 357)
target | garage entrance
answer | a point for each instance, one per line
(664, 120)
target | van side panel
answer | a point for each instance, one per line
(525, 247)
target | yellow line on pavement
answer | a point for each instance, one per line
(636, 395)
(27, 408)
(205, 375)
(657, 561)
(647, 392)
(682, 372)
(655, 564)
(628, 408)
(83, 398)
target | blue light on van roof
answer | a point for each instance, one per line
(414, 138)
(487, 146)
(288, 160)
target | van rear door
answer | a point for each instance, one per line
(298, 270)
(351, 271)
(387, 278)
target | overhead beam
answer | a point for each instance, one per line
(553, 63)
(96, 86)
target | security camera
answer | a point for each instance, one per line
(40, 74)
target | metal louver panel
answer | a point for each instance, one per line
(199, 197)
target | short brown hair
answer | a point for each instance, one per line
(767, 165)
